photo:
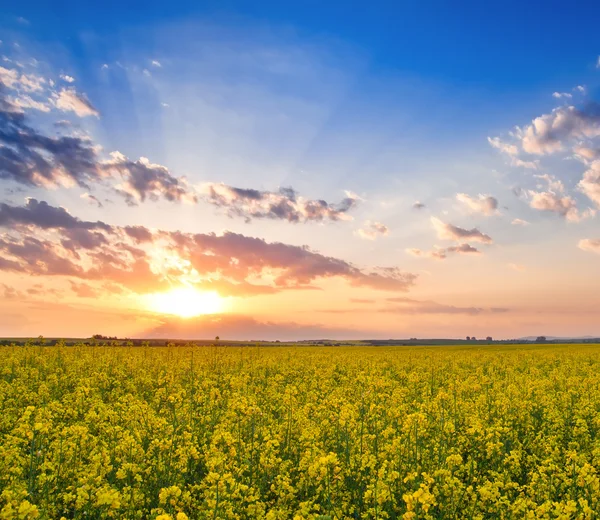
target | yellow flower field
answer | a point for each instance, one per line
(300, 432)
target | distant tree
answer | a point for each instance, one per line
(217, 338)
(489, 338)
(541, 339)
(473, 338)
(468, 338)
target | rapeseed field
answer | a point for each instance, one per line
(92, 432)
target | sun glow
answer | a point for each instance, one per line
(186, 302)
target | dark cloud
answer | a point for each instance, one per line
(44, 216)
(37, 257)
(92, 199)
(139, 234)
(31, 158)
(143, 180)
(284, 204)
(34, 159)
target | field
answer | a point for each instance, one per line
(300, 432)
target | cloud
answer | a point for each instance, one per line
(590, 183)
(590, 244)
(560, 95)
(67, 78)
(418, 205)
(549, 133)
(586, 152)
(31, 158)
(565, 206)
(516, 267)
(145, 180)
(519, 222)
(145, 261)
(530, 165)
(156, 63)
(411, 306)
(580, 88)
(507, 148)
(450, 232)
(284, 204)
(68, 99)
(84, 290)
(441, 253)
(44, 216)
(483, 204)
(9, 77)
(10, 293)
(372, 230)
(554, 184)
(238, 257)
(92, 199)
(139, 234)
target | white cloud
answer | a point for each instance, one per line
(507, 148)
(565, 206)
(590, 184)
(70, 100)
(441, 253)
(484, 204)
(519, 222)
(554, 185)
(451, 232)
(580, 88)
(104, 66)
(590, 244)
(531, 165)
(9, 77)
(585, 152)
(549, 133)
(156, 63)
(67, 78)
(372, 230)
(560, 95)
(23, 102)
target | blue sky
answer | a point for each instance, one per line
(381, 105)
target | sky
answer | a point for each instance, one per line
(273, 170)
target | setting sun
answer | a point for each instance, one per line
(185, 302)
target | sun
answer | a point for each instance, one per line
(186, 302)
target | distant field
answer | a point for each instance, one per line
(461, 431)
